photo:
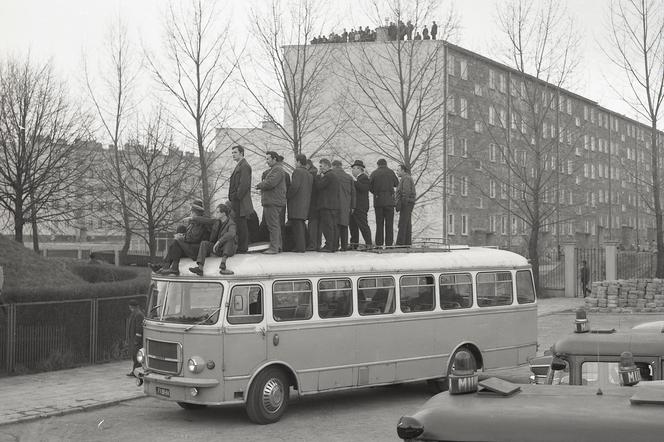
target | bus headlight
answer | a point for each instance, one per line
(195, 364)
(140, 356)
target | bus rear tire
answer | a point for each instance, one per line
(190, 406)
(268, 396)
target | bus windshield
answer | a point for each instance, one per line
(186, 302)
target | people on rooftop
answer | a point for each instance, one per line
(395, 31)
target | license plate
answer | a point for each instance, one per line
(163, 392)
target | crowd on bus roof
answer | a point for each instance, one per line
(395, 31)
(298, 211)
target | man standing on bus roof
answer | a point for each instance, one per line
(134, 333)
(239, 194)
(299, 198)
(405, 201)
(222, 242)
(358, 220)
(313, 223)
(273, 200)
(346, 202)
(327, 186)
(382, 183)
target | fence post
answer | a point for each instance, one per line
(611, 256)
(116, 256)
(11, 337)
(570, 269)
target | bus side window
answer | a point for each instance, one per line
(525, 292)
(246, 304)
(416, 293)
(291, 300)
(335, 298)
(494, 288)
(377, 295)
(456, 291)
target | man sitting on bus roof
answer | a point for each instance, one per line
(222, 242)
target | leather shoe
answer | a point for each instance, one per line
(130, 374)
(226, 272)
(169, 271)
(155, 267)
(270, 252)
(326, 250)
(196, 270)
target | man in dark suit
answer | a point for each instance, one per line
(134, 334)
(382, 183)
(346, 202)
(327, 186)
(358, 220)
(222, 242)
(239, 194)
(313, 229)
(299, 197)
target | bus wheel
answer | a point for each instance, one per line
(190, 406)
(268, 396)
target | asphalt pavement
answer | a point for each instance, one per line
(41, 395)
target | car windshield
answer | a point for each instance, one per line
(186, 302)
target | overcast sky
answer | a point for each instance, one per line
(66, 29)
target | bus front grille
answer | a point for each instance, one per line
(164, 357)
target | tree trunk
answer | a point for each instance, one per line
(125, 246)
(18, 222)
(533, 256)
(35, 235)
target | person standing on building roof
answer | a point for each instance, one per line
(327, 186)
(425, 33)
(239, 194)
(346, 202)
(299, 198)
(434, 30)
(273, 200)
(405, 201)
(313, 223)
(382, 182)
(134, 333)
(222, 242)
(358, 219)
(409, 30)
(187, 244)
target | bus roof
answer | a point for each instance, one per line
(610, 344)
(544, 413)
(316, 263)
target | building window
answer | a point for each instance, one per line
(463, 68)
(503, 83)
(492, 115)
(478, 89)
(463, 108)
(503, 225)
(503, 191)
(450, 64)
(464, 147)
(492, 223)
(503, 118)
(514, 125)
(450, 146)
(524, 126)
(451, 105)
(464, 186)
(450, 185)
(492, 152)
(464, 225)
(450, 224)
(577, 121)
(492, 189)
(492, 79)
(478, 126)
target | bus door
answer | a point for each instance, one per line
(244, 330)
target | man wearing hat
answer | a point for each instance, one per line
(134, 333)
(222, 241)
(358, 220)
(382, 182)
(198, 229)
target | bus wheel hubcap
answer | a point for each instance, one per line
(273, 395)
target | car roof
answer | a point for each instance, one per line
(611, 344)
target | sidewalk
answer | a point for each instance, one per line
(55, 393)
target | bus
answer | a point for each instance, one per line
(318, 322)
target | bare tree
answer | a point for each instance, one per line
(41, 133)
(195, 73)
(534, 134)
(397, 91)
(637, 48)
(287, 92)
(112, 100)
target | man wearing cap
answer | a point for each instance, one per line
(198, 229)
(239, 194)
(134, 333)
(358, 220)
(273, 200)
(299, 197)
(405, 201)
(382, 183)
(327, 186)
(346, 202)
(222, 242)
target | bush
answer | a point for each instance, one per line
(98, 273)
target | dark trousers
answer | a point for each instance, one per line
(384, 224)
(134, 344)
(342, 231)
(405, 232)
(313, 233)
(242, 234)
(299, 233)
(179, 249)
(328, 227)
(359, 223)
(228, 249)
(272, 216)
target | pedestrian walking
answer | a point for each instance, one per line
(382, 182)
(239, 194)
(273, 200)
(299, 198)
(585, 278)
(346, 202)
(134, 333)
(359, 220)
(327, 186)
(405, 201)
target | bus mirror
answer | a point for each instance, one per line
(558, 364)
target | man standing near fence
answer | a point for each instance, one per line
(585, 278)
(134, 337)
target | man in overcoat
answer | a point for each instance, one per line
(382, 182)
(327, 186)
(273, 200)
(299, 198)
(346, 202)
(358, 220)
(405, 201)
(239, 194)
(313, 228)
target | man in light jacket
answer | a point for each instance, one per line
(405, 201)
(273, 200)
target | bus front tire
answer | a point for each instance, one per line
(190, 406)
(268, 396)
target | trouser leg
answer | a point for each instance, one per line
(272, 220)
(380, 225)
(389, 225)
(360, 217)
(343, 236)
(242, 234)
(354, 231)
(299, 235)
(314, 234)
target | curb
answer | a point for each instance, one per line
(72, 410)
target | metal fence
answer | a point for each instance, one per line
(50, 335)
(636, 265)
(552, 275)
(596, 261)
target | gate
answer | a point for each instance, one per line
(596, 261)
